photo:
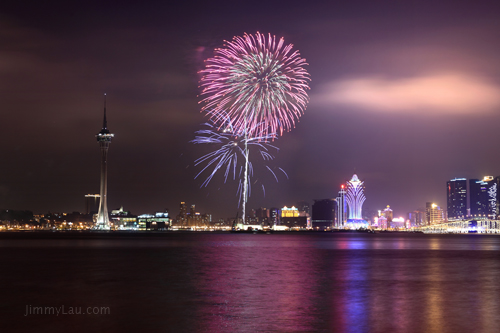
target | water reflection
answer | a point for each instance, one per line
(247, 283)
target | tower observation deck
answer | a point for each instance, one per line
(104, 138)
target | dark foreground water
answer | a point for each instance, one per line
(197, 282)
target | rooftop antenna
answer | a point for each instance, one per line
(104, 122)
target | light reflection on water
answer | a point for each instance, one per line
(246, 283)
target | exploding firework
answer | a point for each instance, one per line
(257, 81)
(230, 156)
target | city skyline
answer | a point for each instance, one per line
(408, 97)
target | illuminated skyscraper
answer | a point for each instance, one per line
(104, 138)
(433, 214)
(274, 216)
(355, 198)
(341, 208)
(182, 217)
(457, 198)
(388, 214)
(483, 197)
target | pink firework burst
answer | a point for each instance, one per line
(257, 81)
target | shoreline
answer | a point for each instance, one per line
(95, 234)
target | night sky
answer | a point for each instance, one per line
(404, 93)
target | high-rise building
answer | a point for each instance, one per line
(355, 198)
(341, 217)
(303, 207)
(182, 217)
(323, 214)
(274, 216)
(388, 214)
(381, 222)
(457, 198)
(417, 218)
(483, 197)
(495, 197)
(433, 214)
(262, 215)
(104, 138)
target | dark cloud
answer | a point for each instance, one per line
(405, 94)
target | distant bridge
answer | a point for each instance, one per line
(472, 225)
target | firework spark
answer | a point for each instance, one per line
(229, 154)
(257, 81)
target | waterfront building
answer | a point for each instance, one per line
(323, 214)
(156, 221)
(355, 199)
(192, 218)
(182, 217)
(121, 219)
(417, 218)
(341, 216)
(483, 197)
(290, 218)
(433, 214)
(382, 222)
(262, 215)
(495, 197)
(457, 198)
(274, 216)
(289, 212)
(304, 208)
(293, 219)
(388, 214)
(104, 138)
(398, 223)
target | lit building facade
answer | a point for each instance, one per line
(121, 219)
(104, 138)
(483, 197)
(182, 217)
(157, 221)
(381, 222)
(457, 198)
(293, 218)
(341, 217)
(388, 214)
(274, 216)
(433, 214)
(417, 218)
(355, 199)
(289, 212)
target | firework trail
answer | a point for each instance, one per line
(257, 81)
(231, 148)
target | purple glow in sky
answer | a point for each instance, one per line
(258, 81)
(404, 94)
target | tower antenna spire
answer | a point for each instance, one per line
(104, 122)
